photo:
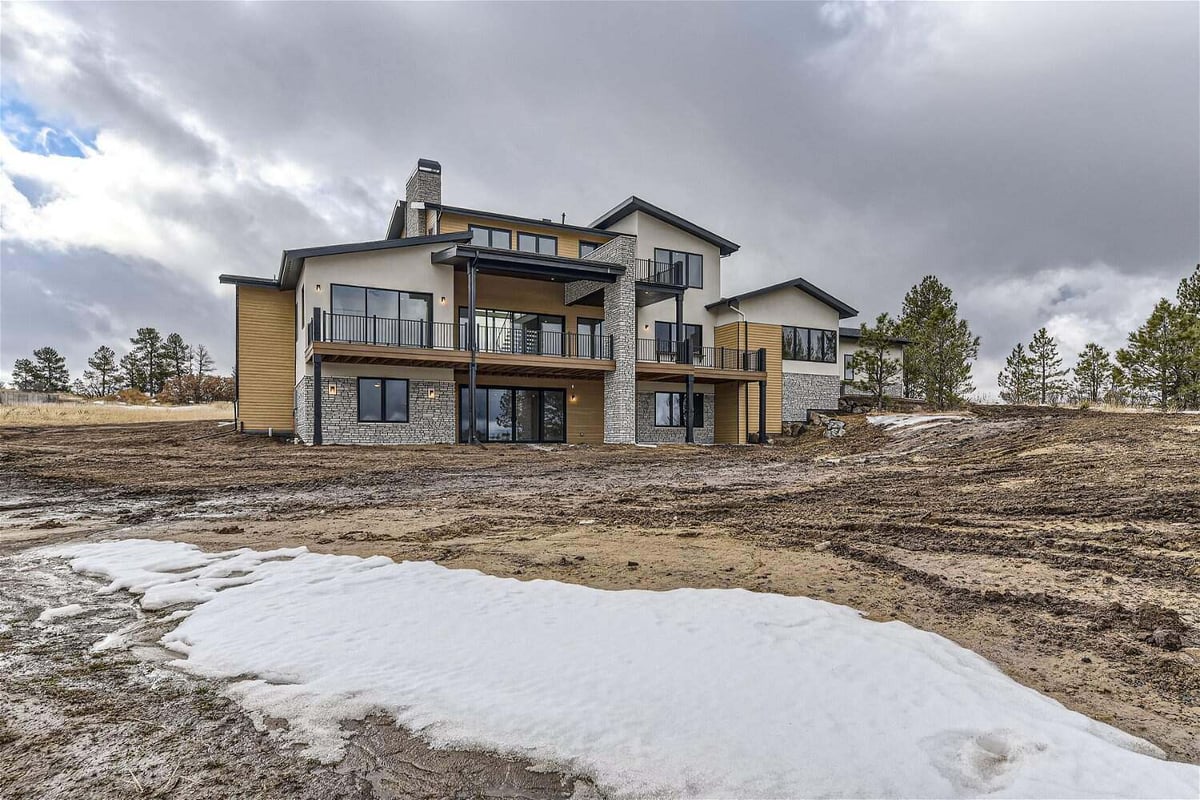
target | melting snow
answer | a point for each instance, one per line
(51, 614)
(714, 693)
(913, 420)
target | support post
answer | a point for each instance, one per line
(473, 346)
(680, 355)
(318, 394)
(687, 409)
(762, 412)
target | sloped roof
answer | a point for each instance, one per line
(634, 203)
(844, 309)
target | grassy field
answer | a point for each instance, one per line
(59, 414)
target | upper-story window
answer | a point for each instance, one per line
(379, 316)
(690, 266)
(587, 248)
(809, 344)
(490, 237)
(537, 243)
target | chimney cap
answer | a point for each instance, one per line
(428, 165)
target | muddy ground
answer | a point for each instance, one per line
(1055, 543)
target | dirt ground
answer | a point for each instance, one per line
(1055, 543)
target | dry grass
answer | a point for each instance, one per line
(60, 414)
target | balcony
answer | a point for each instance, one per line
(668, 359)
(411, 342)
(658, 280)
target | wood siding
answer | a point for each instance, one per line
(503, 293)
(585, 414)
(756, 335)
(568, 241)
(266, 358)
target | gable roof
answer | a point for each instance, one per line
(292, 261)
(844, 310)
(635, 203)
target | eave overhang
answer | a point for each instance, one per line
(845, 311)
(530, 221)
(292, 261)
(249, 280)
(527, 265)
(634, 203)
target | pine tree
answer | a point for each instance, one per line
(45, 372)
(1151, 364)
(177, 356)
(132, 373)
(1044, 351)
(148, 351)
(1018, 379)
(874, 369)
(1093, 372)
(1188, 319)
(103, 371)
(202, 361)
(938, 362)
(26, 376)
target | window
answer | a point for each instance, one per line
(379, 316)
(667, 340)
(587, 248)
(382, 400)
(686, 268)
(848, 367)
(513, 414)
(809, 344)
(591, 337)
(537, 243)
(490, 237)
(668, 409)
(514, 331)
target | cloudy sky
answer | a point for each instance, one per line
(1042, 159)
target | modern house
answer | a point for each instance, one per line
(462, 325)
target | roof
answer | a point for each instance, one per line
(248, 280)
(541, 223)
(844, 310)
(856, 333)
(518, 262)
(292, 261)
(635, 203)
(395, 228)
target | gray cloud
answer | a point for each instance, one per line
(1042, 150)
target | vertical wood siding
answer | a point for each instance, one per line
(568, 241)
(756, 335)
(266, 355)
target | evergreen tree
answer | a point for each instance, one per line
(1151, 364)
(1093, 372)
(1188, 323)
(202, 361)
(938, 362)
(177, 356)
(45, 372)
(874, 369)
(103, 372)
(153, 368)
(1018, 379)
(132, 373)
(1044, 351)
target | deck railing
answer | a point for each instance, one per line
(661, 273)
(665, 351)
(418, 333)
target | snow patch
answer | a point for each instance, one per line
(51, 614)
(687, 693)
(913, 421)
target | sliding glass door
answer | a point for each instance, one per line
(513, 414)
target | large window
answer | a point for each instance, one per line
(587, 248)
(667, 338)
(514, 331)
(537, 243)
(809, 344)
(591, 337)
(669, 406)
(379, 316)
(490, 237)
(689, 267)
(513, 414)
(848, 367)
(382, 400)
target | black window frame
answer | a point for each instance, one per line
(810, 338)
(847, 366)
(383, 393)
(537, 243)
(512, 315)
(471, 228)
(675, 404)
(593, 245)
(666, 346)
(687, 269)
(542, 391)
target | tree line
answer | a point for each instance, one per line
(167, 368)
(937, 358)
(1159, 365)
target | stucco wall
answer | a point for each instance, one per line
(790, 306)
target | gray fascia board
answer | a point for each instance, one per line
(248, 280)
(293, 260)
(845, 311)
(635, 203)
(475, 212)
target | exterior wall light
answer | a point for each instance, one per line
(332, 389)
(443, 299)
(572, 393)
(318, 288)
(432, 394)
(645, 327)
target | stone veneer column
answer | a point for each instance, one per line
(620, 321)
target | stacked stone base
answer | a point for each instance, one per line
(649, 433)
(431, 419)
(803, 393)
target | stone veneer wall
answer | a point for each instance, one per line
(803, 392)
(431, 420)
(620, 321)
(649, 433)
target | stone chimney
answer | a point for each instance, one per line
(424, 186)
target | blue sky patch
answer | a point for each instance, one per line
(31, 132)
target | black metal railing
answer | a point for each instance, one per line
(665, 351)
(661, 273)
(356, 329)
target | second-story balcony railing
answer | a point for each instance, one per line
(665, 351)
(661, 273)
(418, 333)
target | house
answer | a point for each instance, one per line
(848, 343)
(464, 325)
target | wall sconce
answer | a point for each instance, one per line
(572, 393)
(332, 389)
(443, 299)
(432, 394)
(318, 288)
(645, 327)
